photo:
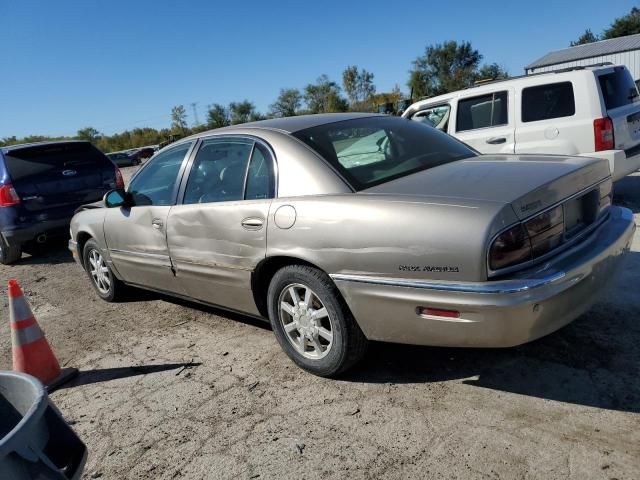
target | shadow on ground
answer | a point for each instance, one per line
(87, 377)
(141, 295)
(52, 252)
(594, 361)
(625, 193)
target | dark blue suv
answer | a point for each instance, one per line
(42, 184)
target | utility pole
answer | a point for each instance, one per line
(195, 114)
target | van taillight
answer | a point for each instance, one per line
(119, 179)
(8, 196)
(603, 133)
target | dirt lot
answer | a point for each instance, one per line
(566, 406)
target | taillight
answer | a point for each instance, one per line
(529, 240)
(603, 133)
(119, 179)
(8, 196)
(509, 248)
(545, 231)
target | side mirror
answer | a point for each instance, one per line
(117, 198)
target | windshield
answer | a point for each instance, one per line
(374, 150)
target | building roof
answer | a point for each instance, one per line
(588, 50)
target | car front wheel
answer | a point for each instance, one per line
(104, 282)
(312, 322)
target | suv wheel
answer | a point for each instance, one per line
(104, 282)
(9, 254)
(312, 322)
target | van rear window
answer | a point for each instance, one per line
(40, 159)
(618, 88)
(543, 102)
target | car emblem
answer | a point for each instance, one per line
(69, 173)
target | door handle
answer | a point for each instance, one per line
(496, 140)
(156, 223)
(252, 223)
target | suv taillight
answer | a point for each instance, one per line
(8, 196)
(119, 179)
(603, 133)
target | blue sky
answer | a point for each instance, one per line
(120, 64)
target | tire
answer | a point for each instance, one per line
(105, 283)
(322, 326)
(9, 254)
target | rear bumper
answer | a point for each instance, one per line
(497, 313)
(27, 233)
(619, 164)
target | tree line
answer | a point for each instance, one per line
(442, 68)
(628, 24)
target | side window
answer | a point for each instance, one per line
(218, 171)
(260, 178)
(543, 102)
(482, 112)
(155, 184)
(437, 116)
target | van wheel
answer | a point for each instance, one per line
(104, 282)
(312, 322)
(9, 254)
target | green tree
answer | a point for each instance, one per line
(241, 112)
(626, 25)
(217, 116)
(359, 87)
(444, 68)
(179, 118)
(586, 37)
(324, 96)
(492, 71)
(287, 104)
(89, 134)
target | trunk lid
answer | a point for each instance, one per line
(58, 175)
(530, 183)
(622, 103)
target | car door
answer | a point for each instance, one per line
(549, 120)
(136, 235)
(217, 233)
(486, 121)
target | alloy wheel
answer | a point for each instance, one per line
(305, 320)
(99, 272)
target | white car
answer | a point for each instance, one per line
(588, 111)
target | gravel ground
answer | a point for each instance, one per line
(169, 389)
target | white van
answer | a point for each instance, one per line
(590, 111)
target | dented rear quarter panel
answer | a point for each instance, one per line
(389, 235)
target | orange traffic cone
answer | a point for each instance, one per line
(31, 351)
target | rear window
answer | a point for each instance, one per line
(618, 88)
(482, 112)
(41, 159)
(374, 150)
(553, 100)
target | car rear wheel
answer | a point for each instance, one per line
(312, 322)
(104, 282)
(9, 254)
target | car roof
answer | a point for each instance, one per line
(533, 78)
(20, 146)
(292, 124)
